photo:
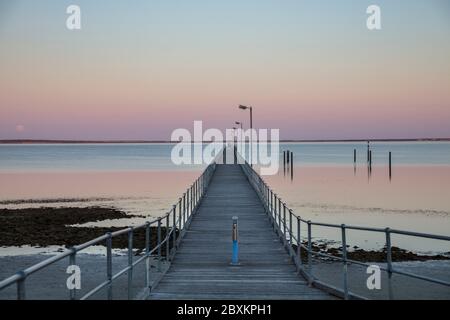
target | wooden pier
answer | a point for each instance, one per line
(201, 268)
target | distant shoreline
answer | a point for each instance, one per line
(40, 141)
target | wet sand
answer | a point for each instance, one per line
(41, 227)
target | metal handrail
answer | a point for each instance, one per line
(186, 205)
(283, 218)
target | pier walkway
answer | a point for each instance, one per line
(201, 266)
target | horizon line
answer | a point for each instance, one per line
(106, 141)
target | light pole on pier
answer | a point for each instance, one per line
(251, 130)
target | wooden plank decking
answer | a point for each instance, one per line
(201, 267)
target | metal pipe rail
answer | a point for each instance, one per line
(289, 225)
(186, 206)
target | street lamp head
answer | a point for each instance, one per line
(242, 107)
(237, 122)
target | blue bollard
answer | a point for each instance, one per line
(235, 255)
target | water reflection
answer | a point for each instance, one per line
(417, 199)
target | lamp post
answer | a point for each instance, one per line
(251, 130)
(234, 145)
(242, 148)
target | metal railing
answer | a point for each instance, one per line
(289, 225)
(176, 221)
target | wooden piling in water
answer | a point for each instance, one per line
(368, 152)
(390, 164)
(292, 165)
(354, 156)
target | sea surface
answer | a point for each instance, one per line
(325, 184)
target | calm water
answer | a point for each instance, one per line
(325, 185)
(135, 157)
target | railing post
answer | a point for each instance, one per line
(195, 194)
(299, 243)
(167, 238)
(279, 214)
(21, 291)
(270, 202)
(190, 200)
(159, 245)
(147, 254)
(344, 258)
(275, 200)
(184, 210)
(389, 262)
(198, 190)
(290, 228)
(274, 204)
(310, 251)
(179, 218)
(203, 184)
(72, 261)
(193, 197)
(174, 225)
(284, 223)
(274, 211)
(109, 265)
(130, 264)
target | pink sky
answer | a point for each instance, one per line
(314, 77)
